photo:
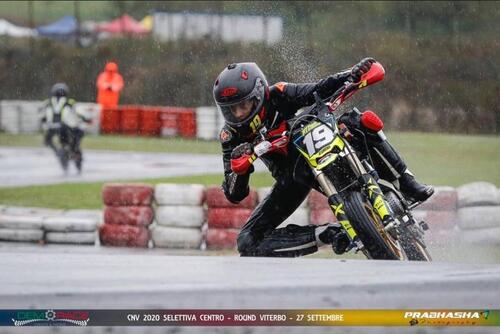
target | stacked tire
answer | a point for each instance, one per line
(127, 214)
(440, 214)
(21, 228)
(179, 216)
(72, 228)
(225, 219)
(320, 211)
(479, 213)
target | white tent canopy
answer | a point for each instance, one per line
(9, 29)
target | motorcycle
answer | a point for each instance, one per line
(373, 212)
(67, 151)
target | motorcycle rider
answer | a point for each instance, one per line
(61, 118)
(248, 104)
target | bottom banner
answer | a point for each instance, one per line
(235, 317)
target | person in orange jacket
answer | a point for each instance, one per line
(109, 86)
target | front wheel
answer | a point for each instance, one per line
(368, 226)
(415, 249)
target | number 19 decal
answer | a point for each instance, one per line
(318, 138)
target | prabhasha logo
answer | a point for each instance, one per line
(443, 315)
(51, 318)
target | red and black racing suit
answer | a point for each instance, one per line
(259, 236)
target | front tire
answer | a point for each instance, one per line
(414, 249)
(378, 243)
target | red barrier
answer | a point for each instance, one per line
(129, 122)
(227, 217)
(149, 122)
(168, 120)
(215, 198)
(110, 120)
(222, 238)
(115, 194)
(124, 235)
(187, 123)
(128, 215)
(317, 201)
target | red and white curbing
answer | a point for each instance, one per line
(179, 216)
(127, 215)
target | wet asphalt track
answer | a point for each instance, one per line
(105, 278)
(35, 166)
(65, 277)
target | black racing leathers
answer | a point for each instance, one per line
(260, 236)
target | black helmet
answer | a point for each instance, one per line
(239, 83)
(59, 90)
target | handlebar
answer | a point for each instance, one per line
(267, 145)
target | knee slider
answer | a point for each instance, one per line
(245, 242)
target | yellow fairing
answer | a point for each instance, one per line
(313, 160)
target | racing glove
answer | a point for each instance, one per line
(361, 68)
(242, 159)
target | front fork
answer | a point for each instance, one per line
(337, 206)
(369, 186)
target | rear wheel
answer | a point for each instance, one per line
(378, 243)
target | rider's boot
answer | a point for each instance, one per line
(333, 234)
(411, 188)
(408, 185)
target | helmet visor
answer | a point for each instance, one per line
(240, 112)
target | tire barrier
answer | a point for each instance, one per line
(322, 216)
(482, 236)
(215, 198)
(21, 228)
(317, 201)
(20, 116)
(228, 217)
(180, 216)
(179, 194)
(8, 221)
(218, 238)
(128, 215)
(26, 235)
(477, 194)
(81, 238)
(124, 235)
(96, 215)
(176, 237)
(437, 220)
(479, 217)
(69, 224)
(115, 194)
(207, 125)
(444, 199)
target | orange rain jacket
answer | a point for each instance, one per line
(109, 86)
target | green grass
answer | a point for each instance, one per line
(48, 11)
(437, 159)
(122, 143)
